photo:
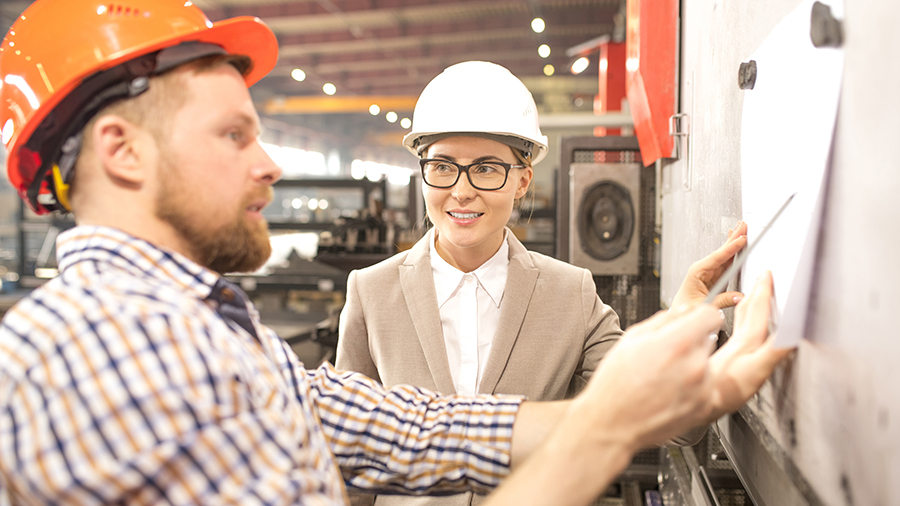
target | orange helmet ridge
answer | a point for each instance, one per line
(62, 58)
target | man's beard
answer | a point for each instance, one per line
(238, 246)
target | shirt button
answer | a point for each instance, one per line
(470, 279)
(227, 294)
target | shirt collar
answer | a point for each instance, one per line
(133, 255)
(491, 275)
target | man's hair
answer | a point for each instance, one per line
(155, 108)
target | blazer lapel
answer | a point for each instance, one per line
(417, 282)
(520, 282)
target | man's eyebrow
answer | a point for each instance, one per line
(250, 122)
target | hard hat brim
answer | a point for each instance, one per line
(247, 36)
(538, 154)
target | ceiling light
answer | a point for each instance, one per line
(329, 89)
(374, 109)
(298, 75)
(405, 123)
(549, 70)
(580, 65)
(537, 24)
(391, 117)
(357, 169)
(544, 50)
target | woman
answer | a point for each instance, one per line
(468, 309)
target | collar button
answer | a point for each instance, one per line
(227, 295)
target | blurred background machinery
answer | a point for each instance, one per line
(823, 431)
(606, 221)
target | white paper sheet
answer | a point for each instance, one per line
(787, 125)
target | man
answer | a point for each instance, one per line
(140, 375)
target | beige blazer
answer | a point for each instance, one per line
(553, 331)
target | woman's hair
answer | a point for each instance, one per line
(521, 159)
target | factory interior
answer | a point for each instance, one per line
(671, 119)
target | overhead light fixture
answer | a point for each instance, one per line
(549, 70)
(391, 117)
(329, 89)
(357, 169)
(405, 122)
(537, 24)
(544, 50)
(580, 65)
(374, 109)
(298, 75)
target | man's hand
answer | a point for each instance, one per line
(658, 381)
(654, 384)
(704, 273)
(741, 366)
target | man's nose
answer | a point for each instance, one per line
(265, 170)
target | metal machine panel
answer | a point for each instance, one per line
(605, 215)
(830, 415)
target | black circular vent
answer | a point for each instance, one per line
(606, 220)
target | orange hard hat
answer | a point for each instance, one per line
(63, 60)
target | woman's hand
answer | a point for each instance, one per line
(704, 273)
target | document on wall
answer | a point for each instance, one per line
(787, 126)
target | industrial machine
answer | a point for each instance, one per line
(605, 221)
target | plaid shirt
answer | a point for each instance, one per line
(122, 382)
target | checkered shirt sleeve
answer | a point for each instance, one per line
(410, 440)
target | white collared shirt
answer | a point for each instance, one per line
(470, 312)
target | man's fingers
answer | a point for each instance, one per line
(757, 302)
(770, 355)
(682, 317)
(696, 325)
(653, 323)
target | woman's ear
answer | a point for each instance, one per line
(121, 148)
(524, 181)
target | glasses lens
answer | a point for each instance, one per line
(487, 176)
(443, 174)
(440, 173)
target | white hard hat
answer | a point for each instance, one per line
(478, 98)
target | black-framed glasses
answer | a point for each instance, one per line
(485, 176)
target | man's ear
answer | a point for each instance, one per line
(122, 148)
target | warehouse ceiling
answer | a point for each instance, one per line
(386, 51)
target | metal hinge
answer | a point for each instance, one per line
(680, 129)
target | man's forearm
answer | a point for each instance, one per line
(534, 423)
(554, 463)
